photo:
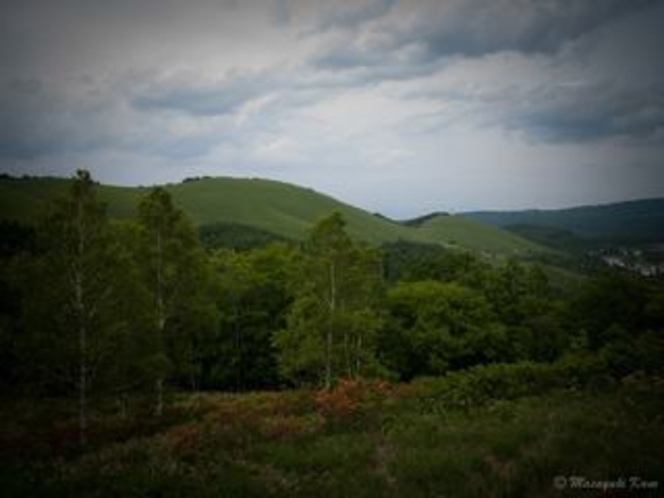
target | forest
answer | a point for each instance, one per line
(242, 353)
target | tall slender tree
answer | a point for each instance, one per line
(72, 292)
(178, 280)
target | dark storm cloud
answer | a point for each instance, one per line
(590, 112)
(476, 27)
(23, 132)
(29, 86)
(472, 28)
(40, 117)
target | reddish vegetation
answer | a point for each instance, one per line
(351, 399)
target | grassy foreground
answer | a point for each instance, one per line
(361, 439)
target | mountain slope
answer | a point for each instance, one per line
(280, 208)
(472, 234)
(636, 220)
(277, 207)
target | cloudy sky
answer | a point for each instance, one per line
(401, 107)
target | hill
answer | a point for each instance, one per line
(637, 221)
(282, 209)
(558, 238)
(471, 234)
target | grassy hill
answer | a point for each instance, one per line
(468, 233)
(280, 208)
(632, 221)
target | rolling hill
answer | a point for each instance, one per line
(471, 234)
(629, 221)
(280, 208)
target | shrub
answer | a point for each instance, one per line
(352, 400)
(485, 383)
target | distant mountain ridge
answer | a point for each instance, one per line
(283, 209)
(641, 220)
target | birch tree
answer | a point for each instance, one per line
(178, 281)
(72, 294)
(334, 319)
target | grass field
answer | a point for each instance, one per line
(284, 209)
(470, 234)
(371, 439)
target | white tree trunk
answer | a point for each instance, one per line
(330, 332)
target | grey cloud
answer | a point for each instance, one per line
(175, 148)
(39, 118)
(290, 91)
(282, 12)
(351, 14)
(224, 97)
(479, 27)
(24, 109)
(213, 84)
(589, 112)
(473, 28)
(347, 56)
(556, 112)
(29, 86)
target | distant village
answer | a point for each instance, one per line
(648, 262)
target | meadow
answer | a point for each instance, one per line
(488, 432)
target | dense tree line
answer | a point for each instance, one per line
(94, 307)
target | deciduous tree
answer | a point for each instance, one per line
(332, 324)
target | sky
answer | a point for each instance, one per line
(397, 106)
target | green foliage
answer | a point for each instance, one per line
(332, 325)
(611, 308)
(441, 326)
(75, 293)
(558, 238)
(401, 256)
(483, 384)
(235, 236)
(179, 281)
(641, 220)
(253, 297)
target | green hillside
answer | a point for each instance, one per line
(641, 220)
(464, 232)
(280, 208)
(277, 207)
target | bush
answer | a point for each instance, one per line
(486, 383)
(351, 401)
